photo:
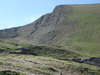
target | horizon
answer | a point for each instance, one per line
(14, 13)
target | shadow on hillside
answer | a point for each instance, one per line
(24, 53)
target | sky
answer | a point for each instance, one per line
(15, 13)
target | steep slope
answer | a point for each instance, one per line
(59, 24)
(71, 31)
(85, 39)
(75, 27)
(50, 25)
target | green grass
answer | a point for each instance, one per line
(13, 45)
(49, 51)
(38, 50)
(84, 42)
(85, 20)
(8, 72)
(86, 37)
(45, 65)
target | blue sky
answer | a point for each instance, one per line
(20, 12)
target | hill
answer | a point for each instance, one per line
(75, 27)
(69, 32)
(62, 22)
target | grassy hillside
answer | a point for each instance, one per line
(49, 51)
(37, 65)
(69, 32)
(13, 47)
(74, 27)
(85, 38)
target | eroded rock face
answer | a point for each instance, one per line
(48, 28)
(56, 26)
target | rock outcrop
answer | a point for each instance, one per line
(92, 61)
